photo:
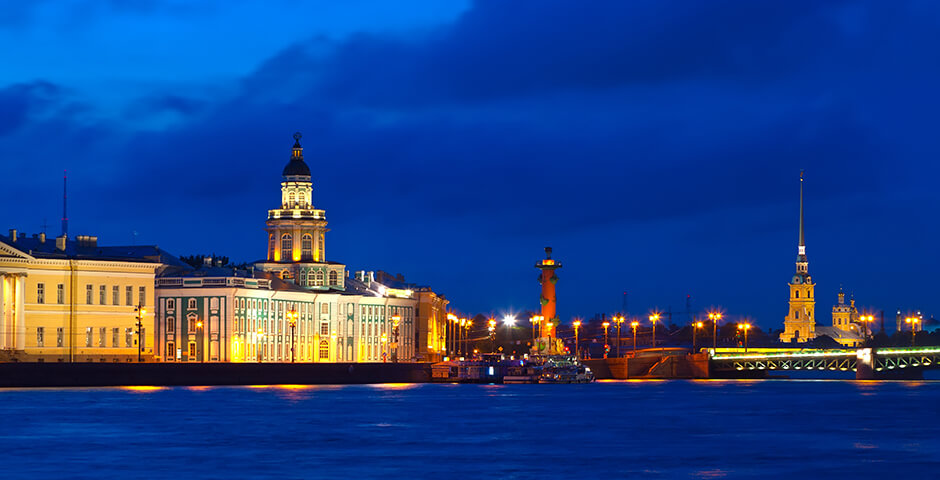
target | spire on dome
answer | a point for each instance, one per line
(296, 166)
(802, 241)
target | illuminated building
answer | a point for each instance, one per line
(800, 323)
(67, 299)
(549, 316)
(218, 314)
(846, 327)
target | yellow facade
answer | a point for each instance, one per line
(72, 309)
(800, 322)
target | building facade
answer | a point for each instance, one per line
(294, 305)
(846, 327)
(70, 300)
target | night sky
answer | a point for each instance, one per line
(655, 145)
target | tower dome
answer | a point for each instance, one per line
(296, 167)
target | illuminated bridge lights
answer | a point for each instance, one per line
(835, 359)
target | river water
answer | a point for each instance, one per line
(790, 429)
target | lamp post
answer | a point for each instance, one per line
(141, 311)
(653, 319)
(451, 334)
(258, 343)
(866, 321)
(745, 327)
(466, 336)
(551, 327)
(913, 322)
(577, 345)
(491, 327)
(384, 343)
(634, 324)
(202, 357)
(695, 327)
(714, 317)
(292, 321)
(509, 321)
(606, 346)
(396, 320)
(619, 321)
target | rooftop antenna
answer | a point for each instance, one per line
(45, 225)
(65, 216)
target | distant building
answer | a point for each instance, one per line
(218, 314)
(68, 299)
(846, 327)
(800, 322)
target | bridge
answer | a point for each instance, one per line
(867, 363)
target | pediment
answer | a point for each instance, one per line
(8, 251)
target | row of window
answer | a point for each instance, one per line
(287, 246)
(102, 294)
(90, 337)
(191, 304)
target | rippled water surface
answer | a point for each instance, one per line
(640, 429)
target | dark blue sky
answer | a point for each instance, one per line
(655, 146)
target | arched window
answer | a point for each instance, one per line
(318, 278)
(191, 304)
(306, 247)
(285, 274)
(303, 200)
(797, 293)
(324, 350)
(287, 246)
(334, 278)
(303, 277)
(290, 200)
(271, 246)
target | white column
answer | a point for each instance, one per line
(20, 313)
(4, 311)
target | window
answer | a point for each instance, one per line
(88, 293)
(334, 278)
(303, 277)
(306, 245)
(170, 325)
(290, 199)
(88, 336)
(142, 296)
(318, 279)
(797, 293)
(128, 295)
(797, 313)
(324, 308)
(214, 303)
(59, 336)
(40, 293)
(324, 328)
(102, 335)
(191, 323)
(101, 295)
(115, 337)
(115, 295)
(287, 244)
(60, 294)
(324, 350)
(191, 304)
(192, 350)
(40, 334)
(128, 337)
(271, 247)
(170, 351)
(170, 304)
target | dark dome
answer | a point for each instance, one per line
(296, 167)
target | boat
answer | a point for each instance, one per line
(565, 369)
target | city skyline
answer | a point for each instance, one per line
(658, 178)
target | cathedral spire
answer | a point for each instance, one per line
(802, 246)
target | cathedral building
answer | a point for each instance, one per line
(294, 305)
(800, 322)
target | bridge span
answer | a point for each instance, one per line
(867, 363)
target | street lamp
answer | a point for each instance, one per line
(509, 321)
(866, 321)
(577, 346)
(141, 311)
(199, 331)
(695, 327)
(913, 321)
(619, 321)
(634, 324)
(292, 321)
(606, 346)
(653, 319)
(551, 327)
(745, 327)
(396, 320)
(384, 352)
(714, 317)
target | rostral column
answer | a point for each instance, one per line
(548, 280)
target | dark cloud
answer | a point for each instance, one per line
(19, 103)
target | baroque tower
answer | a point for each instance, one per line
(800, 322)
(297, 231)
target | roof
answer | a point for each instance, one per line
(296, 167)
(75, 249)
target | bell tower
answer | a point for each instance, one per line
(800, 322)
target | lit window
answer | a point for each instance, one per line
(306, 246)
(115, 295)
(88, 294)
(334, 278)
(318, 278)
(115, 337)
(88, 335)
(102, 336)
(40, 334)
(101, 295)
(290, 200)
(324, 329)
(59, 336)
(170, 325)
(170, 351)
(171, 304)
(128, 295)
(325, 308)
(142, 296)
(324, 350)
(191, 304)
(287, 246)
(303, 277)
(192, 350)
(128, 337)
(271, 246)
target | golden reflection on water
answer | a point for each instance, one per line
(142, 388)
(395, 386)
